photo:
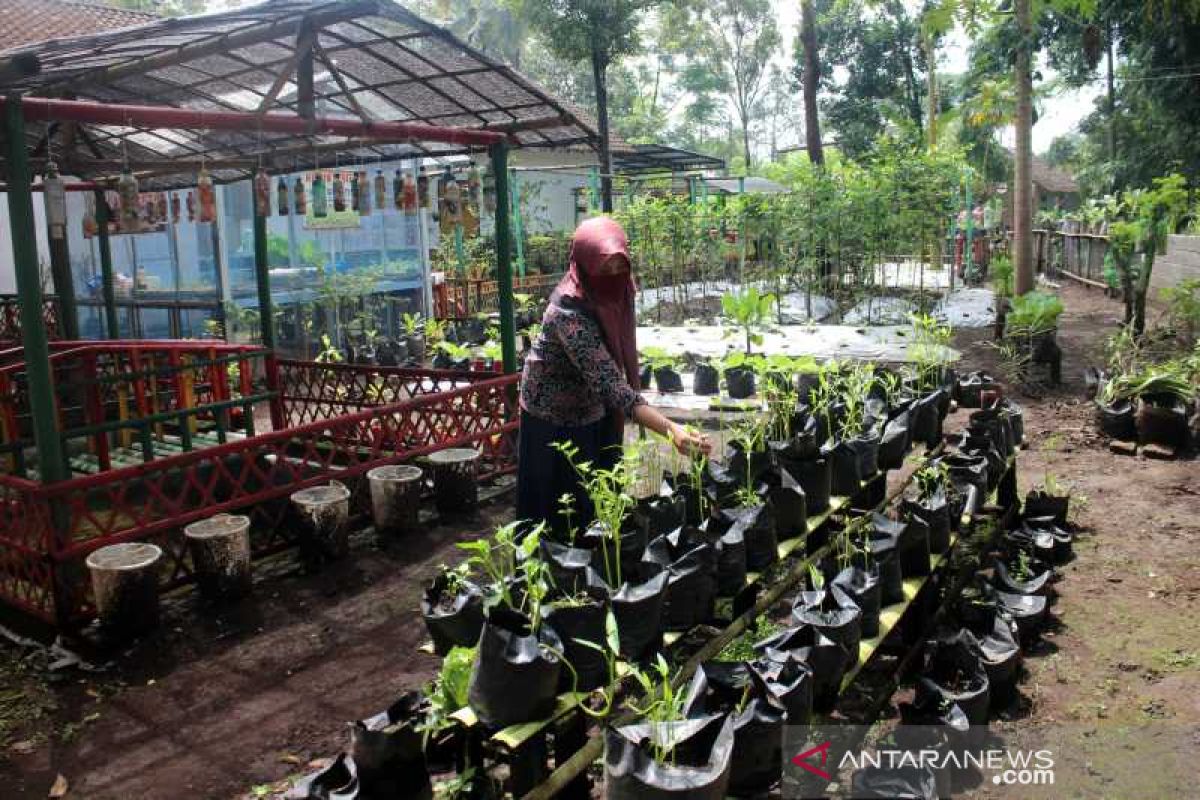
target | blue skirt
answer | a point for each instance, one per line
(544, 474)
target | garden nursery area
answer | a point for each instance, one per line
(660, 399)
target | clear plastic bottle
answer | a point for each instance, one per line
(320, 201)
(207, 196)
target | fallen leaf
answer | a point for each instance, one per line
(60, 787)
(288, 758)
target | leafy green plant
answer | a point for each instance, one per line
(495, 557)
(447, 693)
(1033, 313)
(1002, 275)
(661, 701)
(329, 354)
(742, 647)
(610, 648)
(748, 310)
(931, 479)
(609, 492)
(1183, 308)
(413, 324)
(929, 351)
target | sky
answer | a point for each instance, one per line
(1057, 116)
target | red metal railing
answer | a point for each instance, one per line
(46, 531)
(458, 298)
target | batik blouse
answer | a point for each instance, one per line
(570, 378)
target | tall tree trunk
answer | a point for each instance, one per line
(931, 89)
(1023, 158)
(812, 76)
(746, 143)
(1110, 132)
(914, 95)
(600, 76)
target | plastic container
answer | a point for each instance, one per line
(125, 585)
(220, 548)
(324, 513)
(395, 498)
(455, 480)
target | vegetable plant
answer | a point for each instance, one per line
(609, 493)
(1033, 313)
(748, 310)
(447, 693)
(661, 701)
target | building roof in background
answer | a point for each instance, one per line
(1053, 179)
(646, 158)
(24, 22)
(372, 59)
(753, 185)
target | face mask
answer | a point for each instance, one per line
(607, 286)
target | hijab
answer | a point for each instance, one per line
(607, 298)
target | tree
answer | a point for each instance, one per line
(600, 31)
(810, 76)
(1023, 156)
(743, 39)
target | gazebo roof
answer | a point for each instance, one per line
(371, 60)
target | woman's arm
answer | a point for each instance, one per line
(688, 442)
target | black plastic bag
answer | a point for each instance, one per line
(923, 420)
(698, 769)
(1016, 421)
(1054, 544)
(515, 676)
(861, 584)
(731, 563)
(914, 548)
(1117, 420)
(815, 477)
(788, 506)
(934, 511)
(748, 467)
(866, 447)
(567, 565)
(721, 485)
(452, 621)
(894, 783)
(691, 566)
(1042, 504)
(827, 659)
(757, 528)
(668, 380)
(844, 476)
(389, 753)
(969, 471)
(790, 682)
(605, 553)
(1162, 420)
(995, 642)
(831, 611)
(995, 422)
(885, 551)
(895, 443)
(637, 605)
(575, 621)
(971, 387)
(739, 381)
(660, 514)
(953, 674)
(1036, 583)
(707, 380)
(338, 781)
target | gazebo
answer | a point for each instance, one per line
(239, 94)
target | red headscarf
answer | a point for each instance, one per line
(609, 298)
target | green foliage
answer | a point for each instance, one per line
(929, 351)
(748, 309)
(447, 693)
(1002, 275)
(1183, 308)
(742, 648)
(609, 492)
(1033, 313)
(661, 701)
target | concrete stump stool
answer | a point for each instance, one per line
(220, 548)
(395, 499)
(455, 480)
(324, 513)
(125, 585)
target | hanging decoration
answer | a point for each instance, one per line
(339, 193)
(163, 211)
(147, 212)
(191, 206)
(398, 191)
(364, 187)
(281, 195)
(473, 184)
(423, 190)
(55, 191)
(127, 189)
(175, 207)
(320, 200)
(355, 196)
(207, 196)
(90, 228)
(450, 206)
(262, 193)
(301, 197)
(380, 191)
(410, 195)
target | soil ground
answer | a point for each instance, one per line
(229, 704)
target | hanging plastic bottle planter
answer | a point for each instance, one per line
(262, 193)
(423, 191)
(489, 190)
(451, 205)
(281, 193)
(175, 207)
(355, 193)
(90, 228)
(191, 206)
(127, 189)
(364, 194)
(206, 196)
(160, 201)
(320, 200)
(409, 200)
(339, 193)
(55, 191)
(301, 197)
(380, 191)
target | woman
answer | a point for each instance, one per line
(581, 379)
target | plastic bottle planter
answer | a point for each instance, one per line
(455, 480)
(698, 768)
(739, 381)
(220, 549)
(324, 516)
(707, 380)
(125, 586)
(515, 676)
(395, 499)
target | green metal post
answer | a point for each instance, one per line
(742, 230)
(518, 224)
(968, 245)
(51, 462)
(594, 187)
(112, 325)
(64, 287)
(504, 283)
(262, 274)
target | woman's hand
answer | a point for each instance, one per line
(688, 441)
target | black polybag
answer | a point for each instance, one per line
(952, 657)
(458, 627)
(757, 527)
(637, 605)
(582, 620)
(698, 770)
(389, 753)
(831, 611)
(862, 585)
(827, 659)
(515, 675)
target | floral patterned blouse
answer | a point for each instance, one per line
(570, 378)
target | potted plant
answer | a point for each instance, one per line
(414, 336)
(452, 607)
(1031, 328)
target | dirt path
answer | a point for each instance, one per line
(1115, 690)
(219, 704)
